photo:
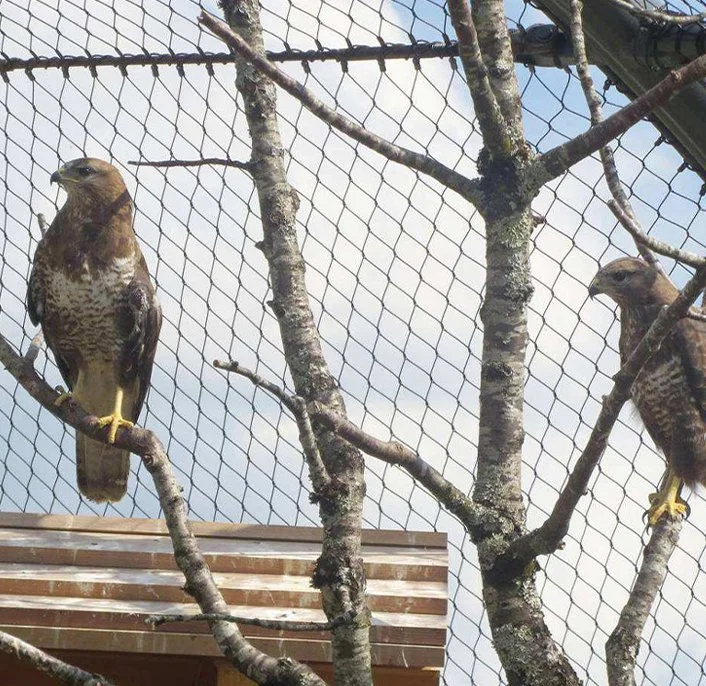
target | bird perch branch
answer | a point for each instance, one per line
(255, 664)
(546, 538)
(55, 668)
(624, 643)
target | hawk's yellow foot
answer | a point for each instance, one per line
(667, 501)
(63, 396)
(115, 420)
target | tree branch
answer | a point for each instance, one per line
(610, 169)
(320, 478)
(274, 624)
(55, 668)
(546, 538)
(192, 163)
(490, 118)
(255, 664)
(641, 238)
(339, 571)
(556, 161)
(445, 175)
(624, 643)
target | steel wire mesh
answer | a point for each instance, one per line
(395, 272)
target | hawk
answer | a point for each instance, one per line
(90, 290)
(670, 390)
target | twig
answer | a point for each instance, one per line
(274, 624)
(466, 187)
(556, 161)
(34, 347)
(487, 109)
(641, 238)
(255, 664)
(610, 170)
(658, 15)
(320, 478)
(624, 643)
(55, 668)
(192, 163)
(43, 223)
(546, 538)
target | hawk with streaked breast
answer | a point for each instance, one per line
(91, 291)
(670, 390)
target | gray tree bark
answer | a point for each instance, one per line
(339, 571)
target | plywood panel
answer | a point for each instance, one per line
(222, 555)
(24, 520)
(385, 595)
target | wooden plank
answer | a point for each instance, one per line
(384, 595)
(130, 615)
(53, 638)
(222, 555)
(120, 525)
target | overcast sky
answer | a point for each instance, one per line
(395, 270)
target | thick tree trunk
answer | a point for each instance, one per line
(339, 572)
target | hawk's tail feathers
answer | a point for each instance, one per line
(102, 470)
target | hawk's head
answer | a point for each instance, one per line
(630, 281)
(90, 177)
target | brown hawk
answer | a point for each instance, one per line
(670, 390)
(91, 291)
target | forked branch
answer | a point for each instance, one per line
(445, 175)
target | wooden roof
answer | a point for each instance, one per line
(82, 583)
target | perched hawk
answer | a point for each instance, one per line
(670, 391)
(91, 291)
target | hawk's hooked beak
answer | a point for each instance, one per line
(594, 289)
(55, 177)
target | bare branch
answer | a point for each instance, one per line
(320, 478)
(466, 187)
(610, 169)
(255, 664)
(34, 347)
(274, 624)
(43, 223)
(658, 15)
(55, 668)
(624, 643)
(393, 452)
(546, 538)
(192, 163)
(490, 118)
(641, 238)
(556, 161)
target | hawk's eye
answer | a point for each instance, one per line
(620, 276)
(84, 171)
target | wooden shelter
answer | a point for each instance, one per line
(82, 587)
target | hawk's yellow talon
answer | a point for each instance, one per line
(114, 421)
(65, 395)
(667, 501)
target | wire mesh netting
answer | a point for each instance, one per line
(395, 273)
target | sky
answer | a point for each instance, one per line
(395, 269)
